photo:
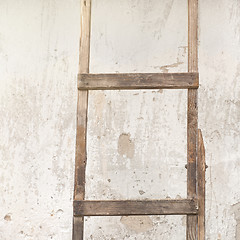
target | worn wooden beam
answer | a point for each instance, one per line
(135, 207)
(191, 156)
(201, 167)
(82, 108)
(78, 228)
(192, 119)
(137, 81)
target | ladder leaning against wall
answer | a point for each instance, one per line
(194, 205)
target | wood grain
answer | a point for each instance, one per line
(78, 228)
(82, 108)
(192, 119)
(201, 167)
(137, 81)
(135, 207)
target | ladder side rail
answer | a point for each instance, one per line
(201, 168)
(82, 110)
(192, 114)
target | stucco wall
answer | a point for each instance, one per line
(136, 139)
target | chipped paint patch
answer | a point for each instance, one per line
(137, 224)
(8, 217)
(126, 145)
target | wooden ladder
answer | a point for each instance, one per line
(194, 205)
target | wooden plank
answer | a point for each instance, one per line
(137, 81)
(82, 108)
(192, 119)
(201, 167)
(192, 35)
(78, 228)
(81, 151)
(191, 157)
(135, 207)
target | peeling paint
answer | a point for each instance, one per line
(126, 145)
(137, 224)
(165, 69)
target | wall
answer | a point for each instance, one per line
(136, 139)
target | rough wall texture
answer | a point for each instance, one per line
(136, 139)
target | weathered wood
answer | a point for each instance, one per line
(192, 35)
(192, 120)
(192, 142)
(135, 207)
(78, 228)
(81, 151)
(82, 107)
(137, 81)
(201, 167)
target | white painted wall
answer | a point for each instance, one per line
(136, 139)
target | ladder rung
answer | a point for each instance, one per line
(137, 81)
(135, 207)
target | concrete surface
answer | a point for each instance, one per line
(136, 139)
